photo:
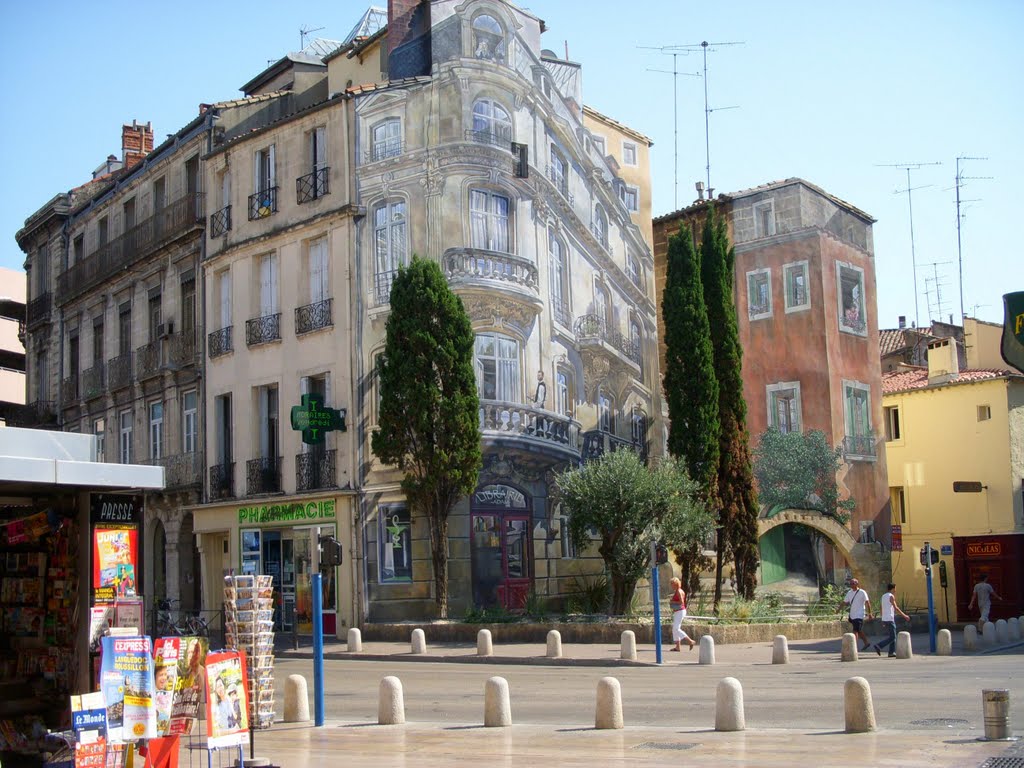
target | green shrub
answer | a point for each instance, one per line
(536, 606)
(589, 595)
(829, 606)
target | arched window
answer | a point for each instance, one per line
(605, 412)
(601, 226)
(389, 246)
(638, 427)
(497, 367)
(603, 305)
(488, 39)
(489, 220)
(387, 139)
(559, 280)
(491, 122)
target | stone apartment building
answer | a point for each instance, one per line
(805, 300)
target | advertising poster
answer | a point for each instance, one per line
(227, 705)
(166, 652)
(188, 684)
(114, 554)
(126, 681)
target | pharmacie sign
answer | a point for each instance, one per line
(315, 420)
(298, 512)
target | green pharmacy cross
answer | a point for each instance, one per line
(314, 419)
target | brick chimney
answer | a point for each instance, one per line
(408, 22)
(943, 361)
(136, 142)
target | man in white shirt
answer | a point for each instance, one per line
(860, 604)
(889, 611)
(983, 594)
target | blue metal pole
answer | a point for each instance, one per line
(655, 591)
(318, 649)
(931, 601)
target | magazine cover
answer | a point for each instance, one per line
(89, 721)
(188, 684)
(115, 553)
(166, 652)
(126, 680)
(227, 705)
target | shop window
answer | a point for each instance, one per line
(852, 312)
(395, 551)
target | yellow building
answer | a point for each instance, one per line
(955, 450)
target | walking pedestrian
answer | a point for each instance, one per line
(678, 604)
(983, 594)
(860, 604)
(889, 611)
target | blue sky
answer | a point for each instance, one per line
(824, 91)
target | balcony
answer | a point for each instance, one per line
(182, 471)
(315, 470)
(147, 360)
(219, 342)
(69, 390)
(38, 311)
(181, 349)
(92, 381)
(491, 138)
(492, 274)
(263, 204)
(263, 476)
(382, 287)
(38, 414)
(313, 185)
(595, 335)
(313, 317)
(596, 443)
(859, 447)
(166, 225)
(261, 330)
(382, 150)
(532, 431)
(220, 222)
(222, 481)
(119, 371)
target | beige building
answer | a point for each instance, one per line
(12, 348)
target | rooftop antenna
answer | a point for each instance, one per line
(959, 250)
(305, 32)
(910, 203)
(675, 107)
(938, 283)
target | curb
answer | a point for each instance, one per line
(543, 661)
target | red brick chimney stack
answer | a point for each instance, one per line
(136, 142)
(400, 22)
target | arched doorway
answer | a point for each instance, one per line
(500, 547)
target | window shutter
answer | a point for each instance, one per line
(272, 175)
(257, 170)
(225, 189)
(264, 422)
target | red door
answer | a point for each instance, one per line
(500, 548)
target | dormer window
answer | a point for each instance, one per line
(488, 39)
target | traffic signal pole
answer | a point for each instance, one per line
(931, 599)
(655, 592)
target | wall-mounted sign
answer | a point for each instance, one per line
(315, 419)
(116, 555)
(967, 486)
(897, 538)
(985, 549)
(499, 496)
(947, 549)
(288, 513)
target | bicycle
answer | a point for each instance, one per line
(166, 626)
(197, 625)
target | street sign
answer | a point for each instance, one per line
(897, 538)
(947, 549)
(967, 486)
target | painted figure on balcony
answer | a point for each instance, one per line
(541, 393)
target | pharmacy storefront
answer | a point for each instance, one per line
(281, 539)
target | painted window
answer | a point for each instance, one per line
(628, 153)
(558, 171)
(630, 196)
(784, 408)
(497, 367)
(759, 294)
(390, 245)
(633, 270)
(156, 430)
(764, 219)
(600, 226)
(491, 121)
(798, 295)
(605, 412)
(490, 215)
(600, 146)
(603, 305)
(859, 440)
(395, 537)
(559, 280)
(387, 139)
(565, 393)
(488, 39)
(852, 309)
(638, 427)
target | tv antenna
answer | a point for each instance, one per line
(675, 108)
(938, 282)
(305, 32)
(959, 249)
(910, 203)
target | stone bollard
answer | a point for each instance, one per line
(707, 650)
(904, 650)
(554, 644)
(1014, 624)
(1002, 632)
(944, 643)
(296, 700)
(996, 710)
(780, 650)
(860, 712)
(609, 704)
(628, 645)
(355, 640)
(849, 652)
(497, 708)
(988, 633)
(390, 702)
(419, 641)
(484, 646)
(970, 638)
(729, 706)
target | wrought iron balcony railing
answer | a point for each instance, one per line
(313, 185)
(219, 342)
(594, 327)
(220, 222)
(38, 310)
(147, 360)
(92, 381)
(41, 413)
(263, 204)
(172, 221)
(495, 139)
(222, 481)
(119, 371)
(263, 475)
(863, 446)
(382, 287)
(261, 330)
(69, 390)
(497, 417)
(315, 470)
(181, 349)
(313, 317)
(596, 443)
(382, 150)
(185, 470)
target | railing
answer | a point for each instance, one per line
(561, 313)
(859, 445)
(382, 287)
(589, 327)
(262, 203)
(147, 360)
(220, 222)
(181, 349)
(315, 470)
(312, 185)
(184, 470)
(39, 413)
(92, 381)
(313, 317)
(168, 622)
(38, 310)
(263, 475)
(261, 330)
(222, 481)
(69, 390)
(170, 222)
(529, 421)
(476, 264)
(561, 184)
(384, 150)
(119, 371)
(597, 443)
(219, 342)
(491, 138)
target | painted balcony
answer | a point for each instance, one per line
(530, 430)
(490, 276)
(595, 336)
